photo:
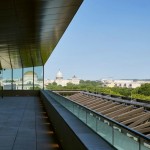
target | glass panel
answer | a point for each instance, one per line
(104, 129)
(82, 114)
(69, 105)
(7, 81)
(124, 141)
(1, 79)
(91, 120)
(17, 78)
(28, 78)
(76, 110)
(58, 99)
(145, 146)
(66, 104)
(38, 78)
(62, 101)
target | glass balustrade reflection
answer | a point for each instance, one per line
(7, 81)
(91, 120)
(124, 140)
(104, 129)
(145, 145)
(82, 114)
(38, 78)
(18, 79)
(31, 78)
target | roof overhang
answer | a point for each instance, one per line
(30, 30)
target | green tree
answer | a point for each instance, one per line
(144, 89)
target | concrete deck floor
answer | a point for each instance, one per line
(24, 125)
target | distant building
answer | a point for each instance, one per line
(28, 77)
(27, 82)
(123, 83)
(63, 82)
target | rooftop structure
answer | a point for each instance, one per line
(123, 83)
(63, 82)
(59, 75)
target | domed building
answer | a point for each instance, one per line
(59, 76)
(28, 77)
(60, 81)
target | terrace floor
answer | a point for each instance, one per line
(24, 125)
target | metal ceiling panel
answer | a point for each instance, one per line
(30, 29)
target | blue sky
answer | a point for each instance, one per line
(106, 38)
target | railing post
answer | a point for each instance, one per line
(86, 116)
(96, 122)
(73, 108)
(2, 92)
(112, 134)
(139, 139)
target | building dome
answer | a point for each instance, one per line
(29, 73)
(59, 75)
(74, 77)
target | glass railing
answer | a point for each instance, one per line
(120, 136)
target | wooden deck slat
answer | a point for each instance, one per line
(101, 104)
(118, 112)
(145, 130)
(130, 112)
(139, 121)
(127, 117)
(133, 119)
(95, 103)
(106, 107)
(144, 125)
(117, 107)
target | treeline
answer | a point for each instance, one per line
(84, 85)
(142, 92)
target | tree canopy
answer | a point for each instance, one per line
(144, 89)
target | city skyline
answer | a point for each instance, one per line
(105, 39)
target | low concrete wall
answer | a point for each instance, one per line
(20, 93)
(71, 132)
(67, 138)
